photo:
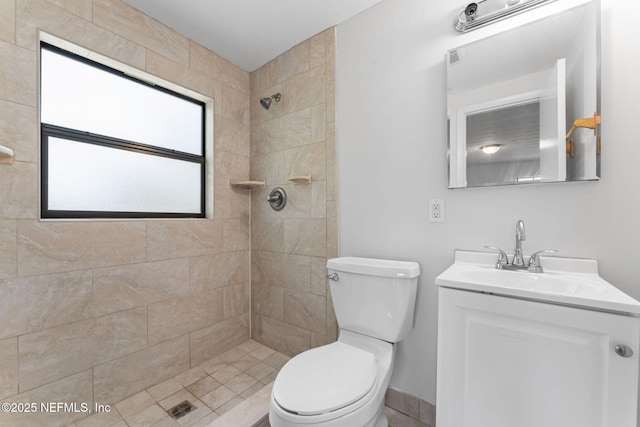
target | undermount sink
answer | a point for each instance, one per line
(567, 281)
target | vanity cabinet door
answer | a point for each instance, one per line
(505, 362)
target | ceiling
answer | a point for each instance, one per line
(250, 33)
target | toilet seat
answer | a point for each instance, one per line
(325, 379)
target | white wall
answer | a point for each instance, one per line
(391, 159)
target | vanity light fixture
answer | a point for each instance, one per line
(491, 148)
(471, 17)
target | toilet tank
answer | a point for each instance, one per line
(374, 297)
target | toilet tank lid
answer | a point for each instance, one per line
(375, 267)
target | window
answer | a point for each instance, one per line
(114, 146)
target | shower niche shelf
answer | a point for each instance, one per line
(246, 185)
(300, 178)
(6, 155)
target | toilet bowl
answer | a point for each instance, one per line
(339, 384)
(343, 384)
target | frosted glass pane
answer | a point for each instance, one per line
(89, 177)
(79, 96)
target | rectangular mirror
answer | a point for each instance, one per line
(512, 98)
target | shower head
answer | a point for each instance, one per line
(266, 102)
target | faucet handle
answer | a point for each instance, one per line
(534, 260)
(502, 257)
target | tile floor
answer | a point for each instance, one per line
(214, 388)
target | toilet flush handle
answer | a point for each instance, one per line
(333, 276)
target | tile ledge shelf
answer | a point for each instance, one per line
(6, 155)
(300, 178)
(246, 185)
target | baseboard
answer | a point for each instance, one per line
(412, 406)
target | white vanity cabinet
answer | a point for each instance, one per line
(513, 361)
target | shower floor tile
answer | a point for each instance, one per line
(214, 388)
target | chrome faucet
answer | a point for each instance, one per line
(518, 263)
(518, 258)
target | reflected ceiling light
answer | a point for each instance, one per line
(491, 148)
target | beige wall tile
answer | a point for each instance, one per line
(279, 269)
(291, 130)
(19, 130)
(8, 367)
(305, 310)
(8, 20)
(64, 350)
(18, 190)
(403, 402)
(47, 247)
(235, 105)
(294, 61)
(267, 300)
(332, 229)
(285, 338)
(17, 74)
(230, 166)
(236, 300)
(332, 171)
(82, 8)
(236, 235)
(73, 389)
(173, 239)
(123, 287)
(30, 304)
(166, 68)
(174, 317)
(231, 203)
(319, 199)
(267, 234)
(269, 168)
(319, 276)
(128, 375)
(135, 372)
(36, 15)
(319, 123)
(209, 63)
(317, 50)
(310, 158)
(220, 270)
(57, 256)
(232, 136)
(212, 341)
(289, 247)
(264, 77)
(298, 203)
(8, 249)
(306, 237)
(305, 90)
(132, 24)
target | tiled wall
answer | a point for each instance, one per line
(291, 306)
(99, 310)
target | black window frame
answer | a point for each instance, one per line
(48, 130)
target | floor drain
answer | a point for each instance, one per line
(181, 409)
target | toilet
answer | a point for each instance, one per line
(343, 384)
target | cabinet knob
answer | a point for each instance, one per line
(623, 351)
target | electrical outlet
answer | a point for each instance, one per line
(436, 210)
